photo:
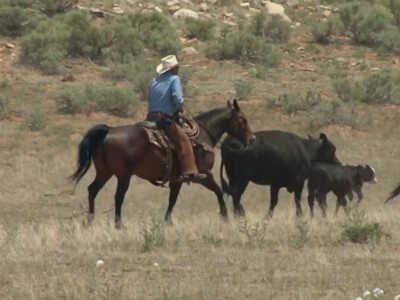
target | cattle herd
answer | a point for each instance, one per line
(285, 160)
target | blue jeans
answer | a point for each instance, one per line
(163, 124)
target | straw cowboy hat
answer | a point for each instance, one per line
(167, 63)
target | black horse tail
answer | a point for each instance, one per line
(225, 185)
(86, 150)
(394, 193)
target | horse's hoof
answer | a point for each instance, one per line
(88, 221)
(223, 215)
(168, 222)
(85, 223)
(119, 225)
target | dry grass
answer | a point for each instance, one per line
(48, 254)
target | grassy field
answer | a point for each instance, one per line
(47, 252)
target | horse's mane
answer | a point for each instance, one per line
(208, 115)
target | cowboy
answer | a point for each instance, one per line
(165, 101)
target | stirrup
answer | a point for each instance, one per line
(195, 177)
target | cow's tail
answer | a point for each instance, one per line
(224, 183)
(86, 150)
(394, 193)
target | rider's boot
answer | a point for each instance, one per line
(185, 153)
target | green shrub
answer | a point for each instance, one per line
(351, 15)
(244, 47)
(14, 20)
(303, 231)
(322, 112)
(184, 75)
(128, 41)
(36, 120)
(322, 31)
(242, 88)
(146, 69)
(85, 39)
(394, 7)
(211, 239)
(373, 25)
(17, 3)
(342, 88)
(389, 41)
(52, 7)
(4, 107)
(378, 88)
(260, 72)
(45, 46)
(255, 233)
(141, 83)
(292, 102)
(121, 72)
(366, 23)
(72, 34)
(156, 32)
(334, 112)
(225, 2)
(86, 98)
(272, 27)
(153, 234)
(358, 229)
(200, 29)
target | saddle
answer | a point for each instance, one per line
(160, 139)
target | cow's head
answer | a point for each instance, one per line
(368, 174)
(238, 126)
(327, 151)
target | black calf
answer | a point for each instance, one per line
(341, 180)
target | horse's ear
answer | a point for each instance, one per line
(323, 136)
(236, 105)
(229, 104)
(310, 137)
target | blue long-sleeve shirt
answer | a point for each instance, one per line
(165, 94)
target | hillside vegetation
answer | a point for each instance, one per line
(321, 66)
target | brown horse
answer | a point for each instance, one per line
(124, 151)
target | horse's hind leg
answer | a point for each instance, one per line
(211, 184)
(122, 187)
(174, 189)
(93, 190)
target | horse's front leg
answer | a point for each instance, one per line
(174, 188)
(212, 185)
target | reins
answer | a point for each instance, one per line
(216, 141)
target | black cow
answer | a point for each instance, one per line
(341, 180)
(276, 158)
(393, 194)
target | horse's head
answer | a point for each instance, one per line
(238, 126)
